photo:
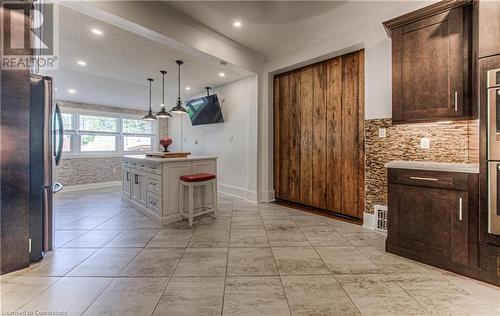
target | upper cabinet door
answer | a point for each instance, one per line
(431, 62)
(489, 28)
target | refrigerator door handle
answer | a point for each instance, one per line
(61, 133)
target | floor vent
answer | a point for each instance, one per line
(381, 217)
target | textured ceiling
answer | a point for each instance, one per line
(118, 63)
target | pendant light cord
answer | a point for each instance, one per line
(163, 90)
(150, 81)
(179, 83)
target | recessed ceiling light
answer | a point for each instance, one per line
(237, 23)
(97, 31)
(81, 63)
(221, 74)
(72, 91)
(188, 88)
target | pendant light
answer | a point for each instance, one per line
(149, 116)
(163, 111)
(178, 108)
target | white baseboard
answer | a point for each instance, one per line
(231, 190)
(266, 196)
(89, 186)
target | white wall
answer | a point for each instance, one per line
(230, 141)
(369, 35)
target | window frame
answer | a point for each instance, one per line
(76, 134)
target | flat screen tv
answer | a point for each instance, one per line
(205, 110)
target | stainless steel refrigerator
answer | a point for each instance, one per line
(46, 143)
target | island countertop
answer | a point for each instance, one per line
(434, 166)
(164, 160)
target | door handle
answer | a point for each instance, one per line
(460, 209)
(424, 179)
(456, 100)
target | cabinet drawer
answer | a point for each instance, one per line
(430, 179)
(154, 203)
(153, 168)
(154, 183)
(134, 164)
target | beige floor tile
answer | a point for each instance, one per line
(487, 293)
(192, 296)
(210, 238)
(255, 296)
(18, 290)
(58, 262)
(134, 238)
(106, 262)
(251, 262)
(93, 239)
(441, 297)
(71, 296)
(247, 221)
(166, 238)
(390, 263)
(299, 261)
(310, 220)
(346, 259)
(209, 222)
(248, 237)
(279, 223)
(129, 296)
(64, 236)
(120, 223)
(202, 262)
(86, 223)
(317, 295)
(365, 239)
(287, 237)
(154, 262)
(324, 236)
(379, 295)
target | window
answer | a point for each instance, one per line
(101, 133)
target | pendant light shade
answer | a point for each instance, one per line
(149, 116)
(178, 108)
(163, 111)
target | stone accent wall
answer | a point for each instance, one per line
(450, 142)
(86, 170)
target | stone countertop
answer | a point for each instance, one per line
(163, 160)
(434, 166)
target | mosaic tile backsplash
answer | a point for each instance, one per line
(449, 142)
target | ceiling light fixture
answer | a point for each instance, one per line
(97, 31)
(221, 74)
(72, 91)
(188, 88)
(81, 63)
(149, 116)
(178, 108)
(163, 111)
(237, 24)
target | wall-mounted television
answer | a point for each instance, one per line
(205, 110)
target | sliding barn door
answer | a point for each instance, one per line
(318, 135)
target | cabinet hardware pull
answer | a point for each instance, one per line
(424, 179)
(460, 209)
(128, 176)
(136, 179)
(456, 101)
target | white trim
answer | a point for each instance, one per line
(266, 196)
(234, 191)
(89, 186)
(369, 220)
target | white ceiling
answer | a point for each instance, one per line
(119, 62)
(274, 28)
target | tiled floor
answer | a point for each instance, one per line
(254, 259)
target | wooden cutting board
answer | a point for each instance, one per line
(161, 154)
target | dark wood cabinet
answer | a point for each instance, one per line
(488, 22)
(431, 63)
(319, 135)
(433, 217)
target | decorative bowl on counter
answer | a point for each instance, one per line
(165, 142)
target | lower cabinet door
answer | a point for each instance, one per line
(138, 188)
(171, 197)
(154, 203)
(126, 183)
(430, 221)
(143, 186)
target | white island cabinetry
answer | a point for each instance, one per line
(151, 185)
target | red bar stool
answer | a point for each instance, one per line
(197, 180)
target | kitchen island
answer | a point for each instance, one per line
(151, 184)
